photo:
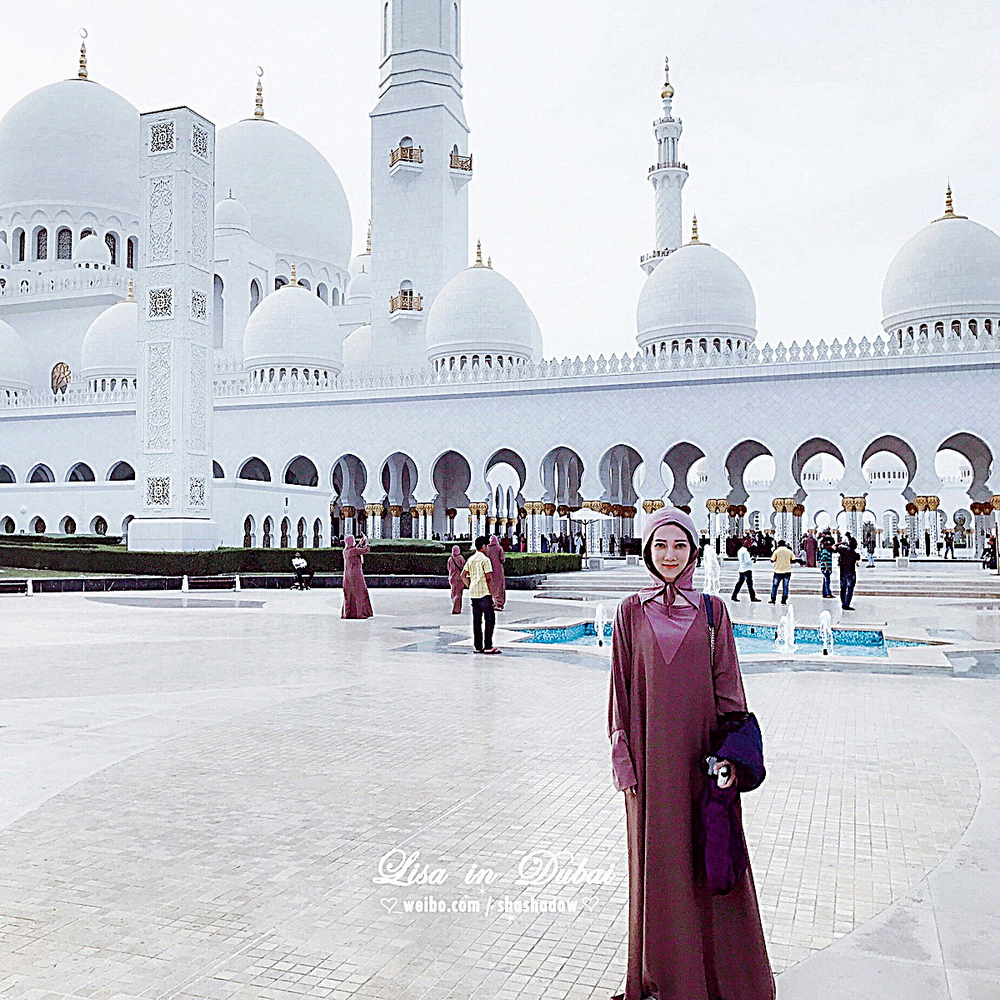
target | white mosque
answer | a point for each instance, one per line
(250, 382)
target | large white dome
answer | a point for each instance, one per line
(74, 144)
(13, 359)
(479, 311)
(292, 327)
(358, 347)
(295, 199)
(951, 268)
(110, 346)
(696, 291)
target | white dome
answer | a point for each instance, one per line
(92, 250)
(360, 288)
(950, 268)
(74, 144)
(292, 326)
(358, 347)
(232, 214)
(537, 347)
(110, 346)
(295, 199)
(479, 310)
(697, 291)
(13, 358)
(360, 262)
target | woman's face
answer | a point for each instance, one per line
(670, 551)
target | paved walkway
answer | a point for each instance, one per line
(210, 801)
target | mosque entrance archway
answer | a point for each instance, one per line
(452, 477)
(348, 479)
(817, 464)
(749, 466)
(965, 460)
(399, 480)
(618, 470)
(562, 473)
(890, 463)
(681, 460)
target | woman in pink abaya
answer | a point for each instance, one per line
(683, 942)
(356, 602)
(455, 564)
(498, 582)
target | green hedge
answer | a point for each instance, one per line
(107, 559)
(63, 541)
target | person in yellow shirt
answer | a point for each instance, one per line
(475, 575)
(783, 558)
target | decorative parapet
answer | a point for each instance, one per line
(66, 400)
(18, 286)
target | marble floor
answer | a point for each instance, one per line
(203, 800)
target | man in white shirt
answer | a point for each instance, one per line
(746, 573)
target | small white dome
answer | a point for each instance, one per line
(479, 310)
(951, 268)
(360, 262)
(5, 254)
(13, 358)
(92, 250)
(111, 344)
(295, 199)
(74, 144)
(358, 348)
(290, 327)
(696, 291)
(232, 214)
(360, 288)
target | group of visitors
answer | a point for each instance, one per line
(814, 551)
(483, 575)
(566, 542)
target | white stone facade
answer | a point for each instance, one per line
(386, 392)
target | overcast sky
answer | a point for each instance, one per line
(820, 136)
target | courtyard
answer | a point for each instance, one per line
(244, 796)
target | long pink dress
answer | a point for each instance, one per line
(498, 582)
(356, 601)
(809, 546)
(684, 943)
(455, 564)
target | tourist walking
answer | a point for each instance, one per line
(455, 564)
(825, 560)
(303, 574)
(870, 549)
(670, 683)
(810, 547)
(895, 546)
(746, 574)
(476, 575)
(498, 581)
(782, 558)
(848, 564)
(949, 543)
(905, 543)
(356, 601)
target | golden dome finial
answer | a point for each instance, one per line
(83, 54)
(293, 280)
(694, 229)
(668, 90)
(131, 290)
(368, 245)
(949, 208)
(479, 253)
(258, 111)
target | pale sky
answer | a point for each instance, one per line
(820, 136)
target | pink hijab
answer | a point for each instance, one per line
(684, 584)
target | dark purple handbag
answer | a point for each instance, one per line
(720, 850)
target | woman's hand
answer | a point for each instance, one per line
(731, 779)
(633, 789)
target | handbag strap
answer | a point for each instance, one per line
(710, 611)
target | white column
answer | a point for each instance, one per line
(175, 400)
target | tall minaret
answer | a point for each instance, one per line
(667, 176)
(420, 171)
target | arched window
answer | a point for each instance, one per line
(300, 533)
(61, 377)
(255, 470)
(41, 243)
(218, 317)
(121, 472)
(99, 526)
(956, 328)
(86, 232)
(9, 527)
(111, 240)
(988, 326)
(68, 526)
(80, 473)
(280, 282)
(64, 244)
(335, 300)
(19, 242)
(286, 528)
(217, 472)
(268, 532)
(322, 292)
(717, 345)
(38, 526)
(254, 294)
(385, 30)
(317, 533)
(406, 142)
(6, 475)
(688, 346)
(130, 249)
(41, 474)
(304, 282)
(973, 328)
(457, 24)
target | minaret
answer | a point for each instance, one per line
(420, 171)
(667, 176)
